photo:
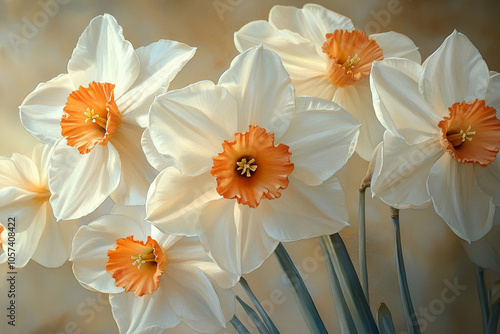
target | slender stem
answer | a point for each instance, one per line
(346, 322)
(385, 323)
(238, 325)
(483, 297)
(355, 298)
(493, 320)
(267, 320)
(254, 316)
(409, 312)
(304, 300)
(363, 272)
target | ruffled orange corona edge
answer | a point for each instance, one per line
(350, 55)
(251, 168)
(136, 266)
(471, 132)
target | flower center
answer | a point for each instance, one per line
(90, 116)
(136, 266)
(350, 55)
(236, 170)
(471, 133)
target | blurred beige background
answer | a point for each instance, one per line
(51, 301)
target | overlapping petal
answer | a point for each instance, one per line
(466, 209)
(322, 137)
(455, 72)
(488, 179)
(397, 45)
(155, 158)
(104, 55)
(492, 98)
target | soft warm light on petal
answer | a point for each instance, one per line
(471, 133)
(137, 266)
(350, 55)
(90, 116)
(251, 167)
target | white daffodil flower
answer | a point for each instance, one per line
(443, 135)
(155, 280)
(256, 164)
(328, 58)
(95, 115)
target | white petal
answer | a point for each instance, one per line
(136, 173)
(190, 124)
(54, 247)
(492, 98)
(42, 109)
(312, 22)
(80, 183)
(398, 103)
(175, 201)
(193, 298)
(394, 44)
(156, 159)
(90, 250)
(160, 62)
(466, 209)
(305, 211)
(357, 100)
(41, 157)
(189, 250)
(103, 55)
(456, 72)
(321, 137)
(401, 171)
(19, 171)
(262, 88)
(149, 312)
(488, 179)
(25, 206)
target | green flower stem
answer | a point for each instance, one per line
(304, 300)
(385, 320)
(346, 322)
(353, 293)
(238, 325)
(411, 319)
(363, 272)
(267, 320)
(253, 315)
(483, 297)
(493, 320)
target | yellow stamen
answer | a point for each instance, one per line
(139, 260)
(458, 138)
(246, 167)
(350, 62)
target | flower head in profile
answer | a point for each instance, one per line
(155, 281)
(256, 163)
(443, 135)
(26, 213)
(95, 115)
(328, 58)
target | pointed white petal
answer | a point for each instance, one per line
(19, 171)
(466, 209)
(149, 312)
(398, 103)
(401, 171)
(190, 124)
(156, 159)
(455, 72)
(136, 173)
(90, 250)
(160, 62)
(312, 22)
(262, 88)
(394, 44)
(305, 211)
(42, 109)
(492, 98)
(23, 205)
(488, 179)
(103, 55)
(175, 201)
(357, 100)
(80, 183)
(321, 137)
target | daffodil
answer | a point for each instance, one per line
(443, 135)
(155, 280)
(26, 213)
(256, 164)
(327, 57)
(95, 115)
